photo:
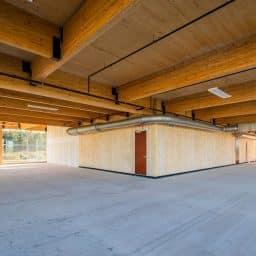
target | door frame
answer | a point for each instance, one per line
(141, 159)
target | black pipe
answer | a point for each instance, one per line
(162, 37)
(36, 82)
(209, 80)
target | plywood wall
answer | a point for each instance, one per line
(247, 150)
(181, 149)
(111, 150)
(115, 150)
(62, 148)
(169, 149)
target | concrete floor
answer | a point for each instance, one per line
(53, 210)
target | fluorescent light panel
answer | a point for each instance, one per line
(42, 107)
(218, 92)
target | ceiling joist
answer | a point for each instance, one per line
(12, 78)
(240, 93)
(26, 31)
(236, 120)
(48, 101)
(86, 25)
(34, 114)
(36, 120)
(45, 109)
(18, 85)
(228, 60)
(245, 108)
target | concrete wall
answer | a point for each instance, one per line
(62, 148)
(248, 154)
(181, 149)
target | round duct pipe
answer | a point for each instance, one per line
(153, 119)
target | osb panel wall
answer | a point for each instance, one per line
(62, 148)
(248, 154)
(181, 149)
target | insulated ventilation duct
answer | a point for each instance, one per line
(153, 119)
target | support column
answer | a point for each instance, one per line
(1, 145)
(237, 148)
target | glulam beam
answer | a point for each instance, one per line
(227, 60)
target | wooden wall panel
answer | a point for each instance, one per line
(62, 148)
(169, 149)
(115, 150)
(112, 150)
(250, 153)
(181, 150)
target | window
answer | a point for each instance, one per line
(23, 146)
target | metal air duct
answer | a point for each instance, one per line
(153, 119)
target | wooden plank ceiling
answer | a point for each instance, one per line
(122, 58)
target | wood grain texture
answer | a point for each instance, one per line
(61, 112)
(23, 126)
(13, 67)
(35, 114)
(236, 119)
(181, 150)
(56, 12)
(62, 148)
(227, 60)
(245, 108)
(107, 150)
(84, 26)
(26, 31)
(247, 152)
(240, 93)
(41, 90)
(35, 120)
(17, 96)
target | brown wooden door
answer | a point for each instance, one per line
(141, 153)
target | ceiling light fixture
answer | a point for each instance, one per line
(42, 107)
(218, 92)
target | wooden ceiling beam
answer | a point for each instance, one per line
(12, 66)
(48, 101)
(34, 114)
(35, 120)
(227, 60)
(236, 120)
(26, 31)
(61, 111)
(23, 126)
(77, 83)
(238, 109)
(240, 93)
(85, 26)
(17, 85)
